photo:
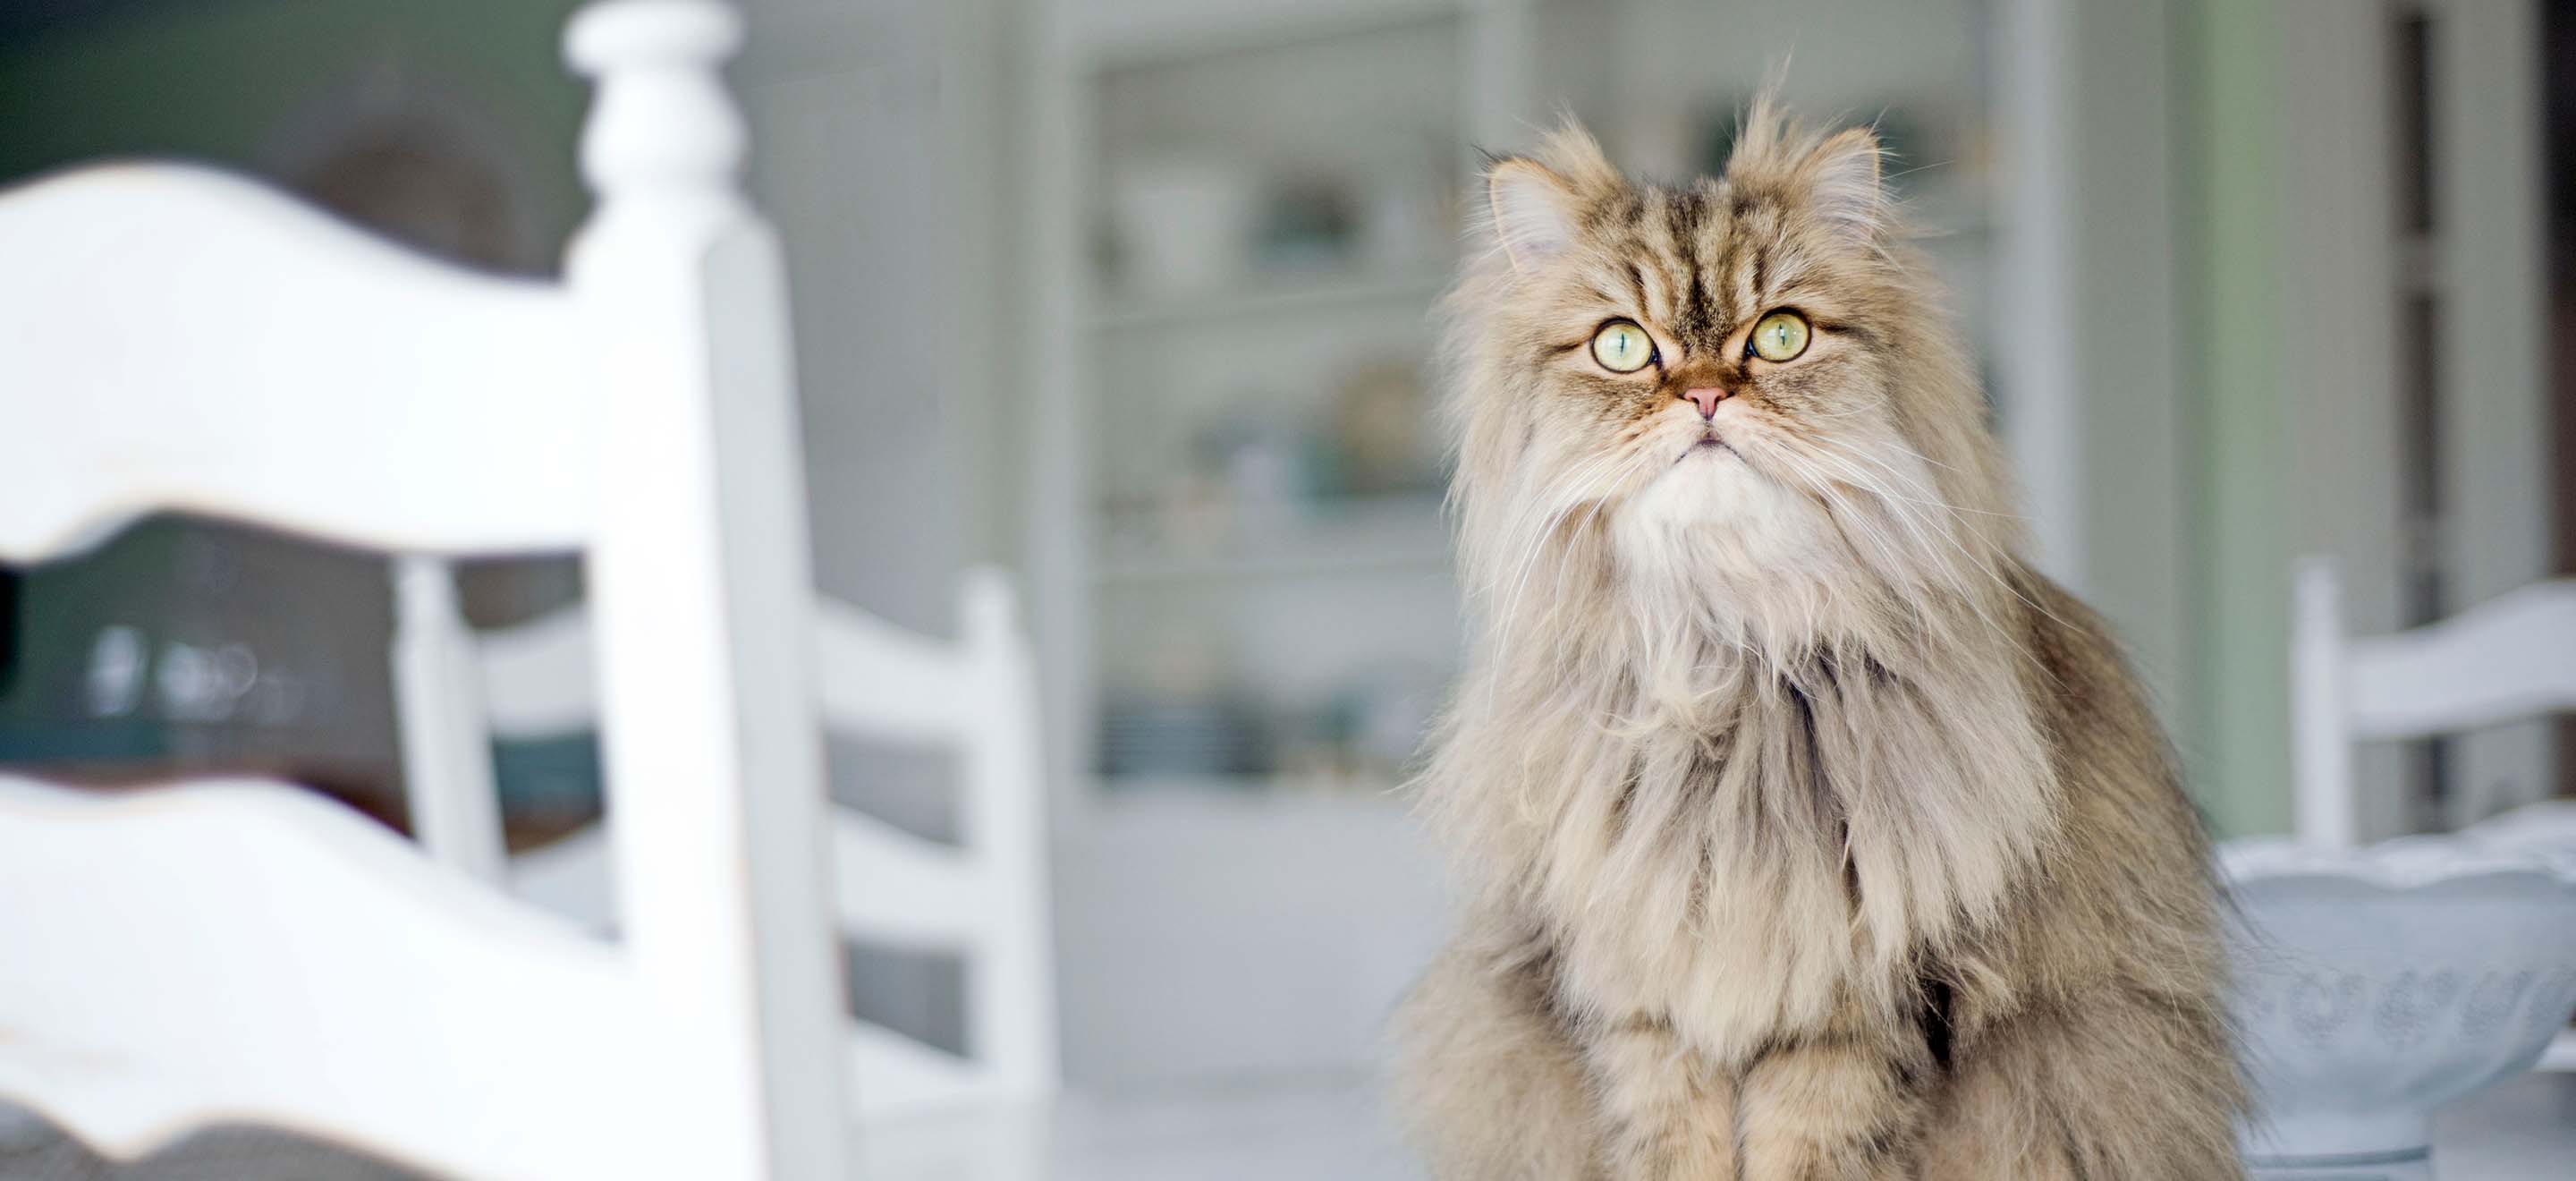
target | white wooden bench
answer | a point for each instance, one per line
(172, 338)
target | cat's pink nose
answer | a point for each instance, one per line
(1706, 398)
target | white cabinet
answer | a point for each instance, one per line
(1244, 216)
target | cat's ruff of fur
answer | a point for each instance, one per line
(1806, 832)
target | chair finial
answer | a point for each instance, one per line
(988, 609)
(662, 118)
(424, 590)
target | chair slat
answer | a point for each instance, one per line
(879, 680)
(572, 877)
(198, 342)
(894, 888)
(2502, 661)
(875, 680)
(899, 889)
(897, 1076)
(537, 677)
(137, 1013)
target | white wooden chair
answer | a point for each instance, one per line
(984, 901)
(2511, 658)
(173, 338)
(2505, 660)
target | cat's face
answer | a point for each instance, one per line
(1716, 372)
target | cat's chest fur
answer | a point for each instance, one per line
(1786, 845)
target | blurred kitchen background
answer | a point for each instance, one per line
(1133, 297)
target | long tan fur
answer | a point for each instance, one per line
(1808, 832)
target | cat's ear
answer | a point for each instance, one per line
(1539, 200)
(1534, 210)
(1843, 185)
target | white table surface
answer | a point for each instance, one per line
(1309, 1130)
(2523, 1130)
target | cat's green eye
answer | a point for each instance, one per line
(1622, 347)
(1780, 336)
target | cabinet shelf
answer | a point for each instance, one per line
(1270, 297)
(1222, 567)
(1396, 534)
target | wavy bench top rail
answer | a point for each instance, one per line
(240, 949)
(172, 337)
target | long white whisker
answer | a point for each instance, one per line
(1592, 476)
(1899, 504)
(1878, 539)
(1917, 527)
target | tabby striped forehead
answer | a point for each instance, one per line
(1696, 262)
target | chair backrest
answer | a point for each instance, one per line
(983, 900)
(2508, 659)
(174, 339)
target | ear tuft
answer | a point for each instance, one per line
(1534, 211)
(1764, 137)
(1836, 176)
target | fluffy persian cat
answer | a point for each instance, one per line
(1810, 832)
